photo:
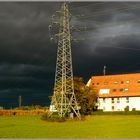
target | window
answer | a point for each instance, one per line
(114, 90)
(105, 83)
(115, 82)
(112, 100)
(104, 91)
(98, 83)
(127, 99)
(127, 82)
(118, 100)
(103, 100)
(122, 82)
(121, 89)
(138, 81)
(126, 89)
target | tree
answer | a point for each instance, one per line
(86, 96)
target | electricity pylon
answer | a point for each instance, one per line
(63, 99)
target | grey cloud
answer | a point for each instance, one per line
(27, 57)
(24, 71)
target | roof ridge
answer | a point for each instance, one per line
(116, 74)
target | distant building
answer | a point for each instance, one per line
(117, 92)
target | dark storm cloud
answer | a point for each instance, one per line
(27, 60)
(24, 33)
(114, 40)
(27, 56)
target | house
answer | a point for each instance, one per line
(117, 92)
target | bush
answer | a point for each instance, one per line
(53, 118)
(133, 109)
(126, 109)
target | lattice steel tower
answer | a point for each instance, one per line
(63, 99)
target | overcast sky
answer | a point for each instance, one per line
(27, 56)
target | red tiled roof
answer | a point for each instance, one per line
(123, 82)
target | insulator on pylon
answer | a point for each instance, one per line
(55, 22)
(53, 16)
(50, 26)
(51, 39)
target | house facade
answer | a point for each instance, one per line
(117, 92)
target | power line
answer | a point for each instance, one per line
(132, 49)
(104, 12)
(84, 6)
(106, 4)
(107, 24)
(96, 5)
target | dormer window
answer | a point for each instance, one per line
(105, 83)
(115, 82)
(127, 82)
(126, 89)
(121, 89)
(114, 90)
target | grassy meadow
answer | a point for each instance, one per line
(96, 126)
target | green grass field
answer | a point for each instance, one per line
(96, 126)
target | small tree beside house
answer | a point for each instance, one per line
(86, 96)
